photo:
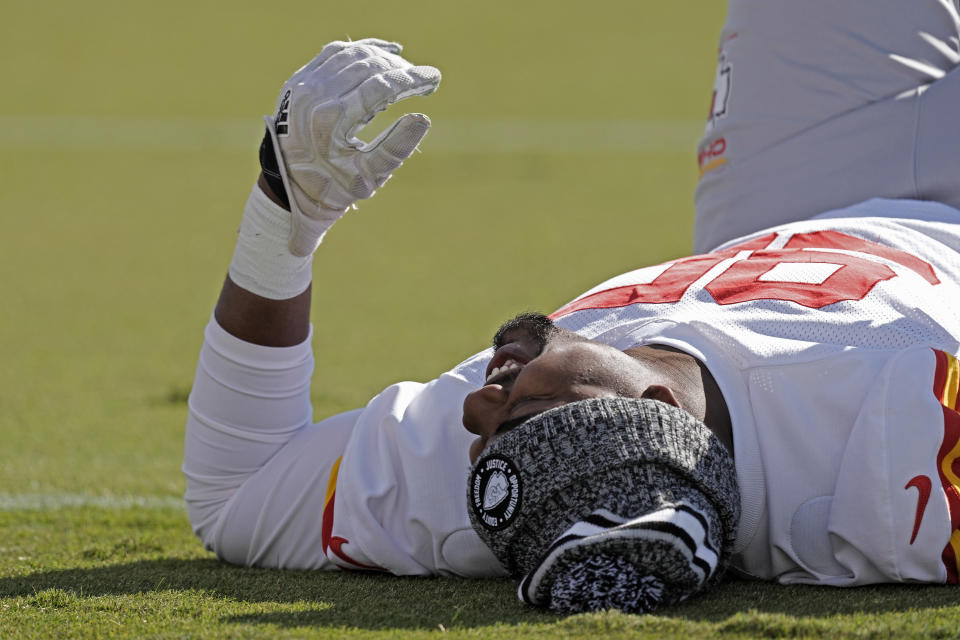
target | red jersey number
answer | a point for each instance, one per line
(851, 278)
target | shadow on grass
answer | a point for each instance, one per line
(387, 602)
(736, 596)
(332, 599)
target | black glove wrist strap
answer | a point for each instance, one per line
(271, 170)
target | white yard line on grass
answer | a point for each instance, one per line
(101, 133)
(57, 500)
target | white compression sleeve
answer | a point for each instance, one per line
(247, 402)
(256, 467)
(262, 262)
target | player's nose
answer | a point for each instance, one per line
(483, 409)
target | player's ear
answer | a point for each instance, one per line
(661, 393)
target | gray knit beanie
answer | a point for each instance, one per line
(607, 503)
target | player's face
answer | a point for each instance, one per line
(537, 367)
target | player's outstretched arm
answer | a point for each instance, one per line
(249, 456)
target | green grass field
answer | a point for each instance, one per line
(562, 153)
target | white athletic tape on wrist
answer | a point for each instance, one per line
(262, 262)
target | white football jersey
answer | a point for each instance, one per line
(832, 340)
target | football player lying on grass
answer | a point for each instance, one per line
(784, 403)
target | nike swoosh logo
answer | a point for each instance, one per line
(923, 485)
(336, 542)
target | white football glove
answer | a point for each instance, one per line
(324, 167)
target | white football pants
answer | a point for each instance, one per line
(820, 104)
